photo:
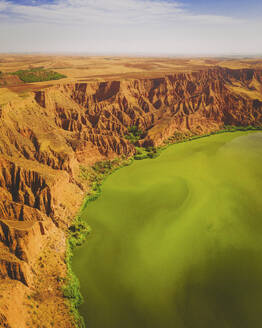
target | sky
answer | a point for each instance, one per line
(139, 27)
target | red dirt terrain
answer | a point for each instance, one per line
(49, 134)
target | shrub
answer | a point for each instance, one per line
(71, 291)
(134, 134)
(84, 173)
(78, 232)
(143, 153)
(105, 167)
(38, 75)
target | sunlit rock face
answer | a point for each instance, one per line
(45, 137)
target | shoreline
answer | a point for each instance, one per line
(79, 229)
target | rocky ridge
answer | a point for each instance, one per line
(48, 136)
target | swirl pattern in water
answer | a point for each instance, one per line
(176, 241)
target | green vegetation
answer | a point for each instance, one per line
(38, 75)
(100, 169)
(105, 167)
(79, 231)
(176, 241)
(179, 137)
(96, 174)
(134, 134)
(149, 152)
(232, 128)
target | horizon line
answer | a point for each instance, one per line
(137, 54)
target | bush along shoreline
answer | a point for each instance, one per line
(96, 175)
(79, 230)
(179, 137)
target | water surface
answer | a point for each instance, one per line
(177, 241)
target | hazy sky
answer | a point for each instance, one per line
(132, 26)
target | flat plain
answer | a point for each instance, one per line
(103, 68)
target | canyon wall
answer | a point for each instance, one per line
(47, 136)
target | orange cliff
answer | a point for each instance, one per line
(46, 137)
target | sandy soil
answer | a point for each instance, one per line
(90, 68)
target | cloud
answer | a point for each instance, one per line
(122, 26)
(107, 12)
(3, 5)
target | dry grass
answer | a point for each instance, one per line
(245, 91)
(90, 68)
(7, 95)
(100, 65)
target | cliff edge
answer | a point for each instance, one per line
(47, 137)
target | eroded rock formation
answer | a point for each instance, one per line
(47, 136)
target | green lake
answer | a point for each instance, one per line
(177, 241)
